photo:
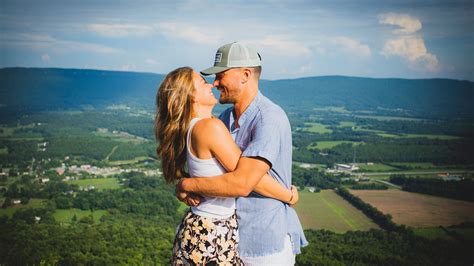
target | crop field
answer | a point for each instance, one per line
(98, 183)
(66, 216)
(427, 136)
(317, 128)
(418, 210)
(123, 162)
(376, 167)
(321, 145)
(389, 118)
(327, 210)
(347, 124)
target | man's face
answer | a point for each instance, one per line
(228, 83)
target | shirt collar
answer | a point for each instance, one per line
(249, 111)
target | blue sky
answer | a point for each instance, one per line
(407, 39)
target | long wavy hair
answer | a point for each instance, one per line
(173, 115)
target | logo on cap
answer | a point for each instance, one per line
(218, 58)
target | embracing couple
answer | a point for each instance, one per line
(240, 189)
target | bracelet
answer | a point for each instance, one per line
(289, 202)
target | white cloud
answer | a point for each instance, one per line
(128, 67)
(45, 58)
(408, 44)
(406, 23)
(151, 61)
(413, 49)
(38, 41)
(351, 45)
(120, 30)
(282, 45)
(189, 32)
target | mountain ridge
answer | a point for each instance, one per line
(35, 89)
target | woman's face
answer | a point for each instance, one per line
(203, 91)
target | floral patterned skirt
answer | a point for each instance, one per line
(206, 241)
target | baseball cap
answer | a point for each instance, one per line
(233, 55)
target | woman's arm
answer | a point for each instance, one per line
(213, 135)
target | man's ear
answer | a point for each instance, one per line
(246, 75)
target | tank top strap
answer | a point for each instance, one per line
(190, 129)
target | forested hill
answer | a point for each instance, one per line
(34, 89)
(416, 97)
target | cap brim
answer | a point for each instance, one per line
(214, 70)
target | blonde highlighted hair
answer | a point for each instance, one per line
(173, 115)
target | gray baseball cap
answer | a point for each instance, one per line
(233, 55)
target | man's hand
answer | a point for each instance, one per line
(189, 199)
(295, 197)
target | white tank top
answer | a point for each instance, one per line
(212, 207)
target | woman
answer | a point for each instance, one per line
(187, 132)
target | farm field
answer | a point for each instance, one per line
(427, 136)
(389, 118)
(98, 183)
(376, 167)
(418, 210)
(317, 128)
(66, 216)
(321, 145)
(327, 210)
(33, 203)
(122, 162)
(347, 124)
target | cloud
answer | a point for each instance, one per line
(282, 45)
(38, 41)
(189, 32)
(151, 61)
(408, 44)
(45, 58)
(351, 45)
(413, 49)
(406, 23)
(121, 30)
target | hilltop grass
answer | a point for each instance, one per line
(317, 128)
(98, 183)
(327, 210)
(65, 216)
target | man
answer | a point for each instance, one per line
(270, 232)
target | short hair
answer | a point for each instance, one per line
(257, 71)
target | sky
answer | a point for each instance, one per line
(403, 39)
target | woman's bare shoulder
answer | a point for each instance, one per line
(209, 127)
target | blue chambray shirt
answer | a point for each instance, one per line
(264, 222)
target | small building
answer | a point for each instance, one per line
(44, 180)
(311, 189)
(60, 171)
(16, 201)
(346, 167)
(305, 165)
(370, 163)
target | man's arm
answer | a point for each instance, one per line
(238, 183)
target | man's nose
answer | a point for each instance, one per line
(216, 83)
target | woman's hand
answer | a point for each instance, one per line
(295, 196)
